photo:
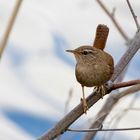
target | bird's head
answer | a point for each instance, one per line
(84, 54)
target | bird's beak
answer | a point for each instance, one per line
(71, 51)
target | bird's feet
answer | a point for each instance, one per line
(85, 106)
(101, 89)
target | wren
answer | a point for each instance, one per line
(94, 66)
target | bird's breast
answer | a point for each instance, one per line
(92, 75)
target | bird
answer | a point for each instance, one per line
(94, 66)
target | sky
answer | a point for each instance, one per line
(37, 74)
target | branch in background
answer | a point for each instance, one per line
(107, 107)
(123, 113)
(9, 26)
(111, 16)
(132, 108)
(111, 129)
(133, 14)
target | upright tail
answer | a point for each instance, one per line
(102, 32)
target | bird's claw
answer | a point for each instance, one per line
(101, 89)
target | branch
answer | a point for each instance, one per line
(125, 84)
(97, 129)
(111, 16)
(72, 116)
(133, 14)
(132, 109)
(9, 26)
(107, 107)
(123, 113)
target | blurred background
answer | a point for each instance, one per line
(37, 76)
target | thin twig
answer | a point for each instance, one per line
(125, 84)
(113, 20)
(132, 109)
(97, 129)
(133, 14)
(9, 26)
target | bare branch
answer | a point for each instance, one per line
(72, 116)
(133, 14)
(107, 107)
(132, 109)
(9, 26)
(113, 20)
(97, 129)
(123, 113)
(125, 84)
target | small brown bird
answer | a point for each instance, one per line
(94, 66)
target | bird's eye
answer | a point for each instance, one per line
(85, 52)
